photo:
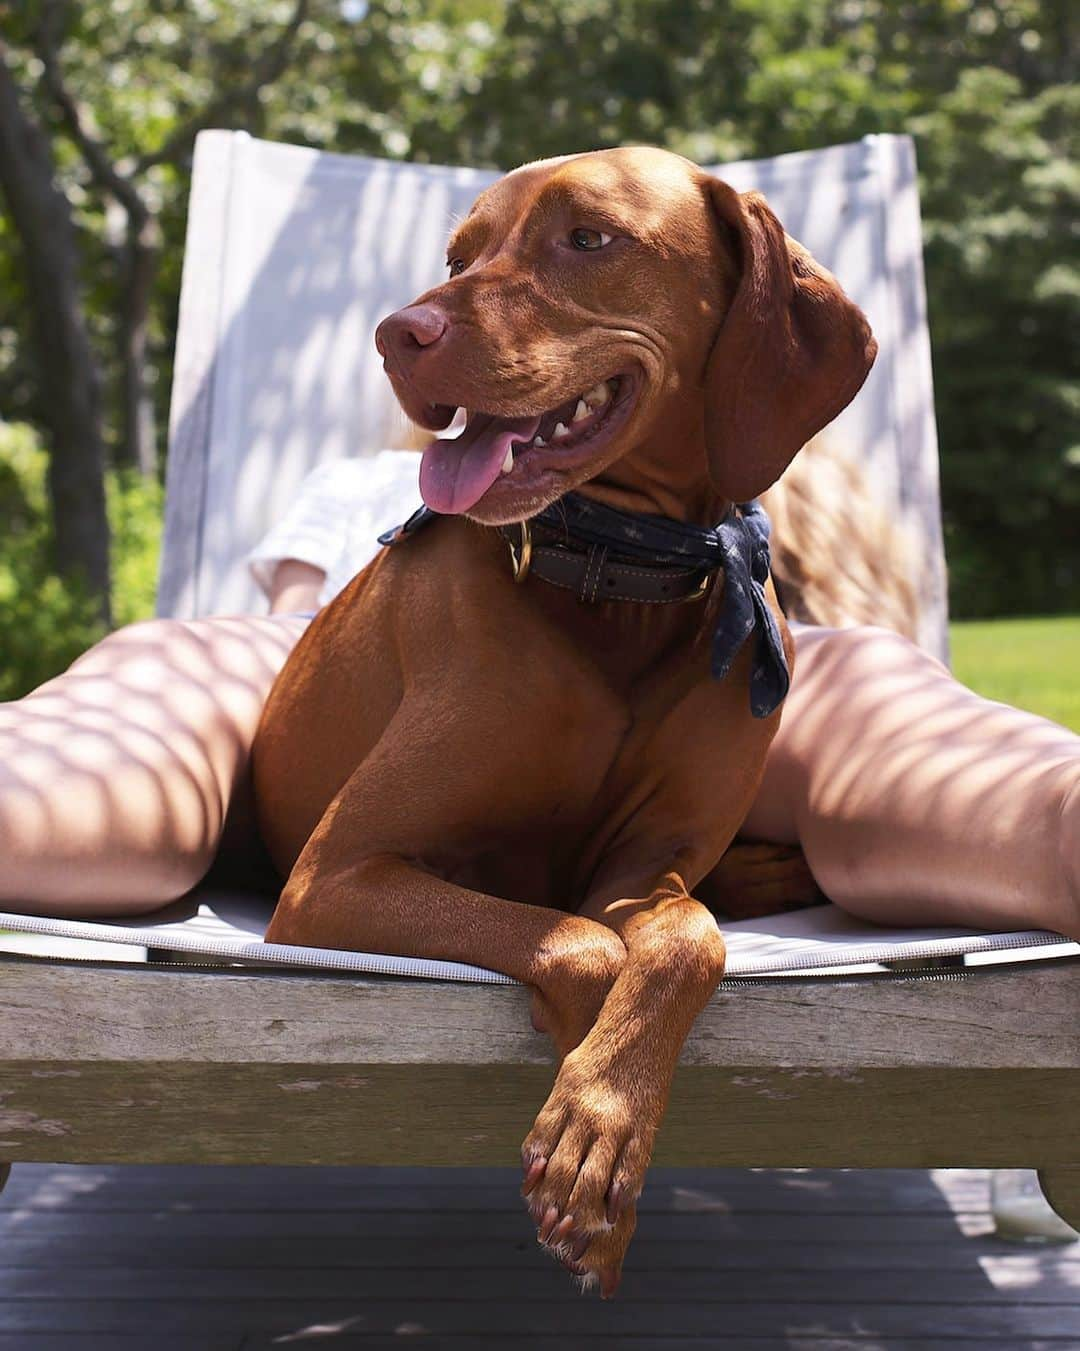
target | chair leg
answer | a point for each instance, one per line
(1061, 1187)
(5, 1173)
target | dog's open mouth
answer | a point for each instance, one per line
(456, 473)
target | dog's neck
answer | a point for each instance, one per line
(664, 475)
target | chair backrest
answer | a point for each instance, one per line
(294, 255)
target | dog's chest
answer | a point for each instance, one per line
(567, 800)
(544, 726)
(570, 761)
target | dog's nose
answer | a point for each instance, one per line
(409, 330)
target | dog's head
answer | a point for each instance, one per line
(621, 318)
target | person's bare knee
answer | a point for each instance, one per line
(96, 809)
(924, 802)
(1066, 917)
(115, 777)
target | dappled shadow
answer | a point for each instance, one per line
(281, 374)
(277, 370)
(921, 802)
(855, 207)
(115, 777)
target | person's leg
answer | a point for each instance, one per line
(917, 801)
(115, 777)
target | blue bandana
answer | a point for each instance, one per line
(739, 545)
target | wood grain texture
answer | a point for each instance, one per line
(459, 1114)
(106, 1064)
(1013, 1018)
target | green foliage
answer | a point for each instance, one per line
(983, 85)
(135, 505)
(1002, 304)
(47, 620)
(1030, 663)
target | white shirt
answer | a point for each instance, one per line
(341, 509)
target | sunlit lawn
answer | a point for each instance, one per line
(1034, 663)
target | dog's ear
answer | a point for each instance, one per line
(791, 353)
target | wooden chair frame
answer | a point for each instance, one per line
(112, 1063)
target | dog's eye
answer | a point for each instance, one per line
(456, 266)
(588, 240)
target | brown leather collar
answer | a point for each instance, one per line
(596, 572)
(640, 548)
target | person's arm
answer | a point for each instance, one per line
(295, 587)
(291, 562)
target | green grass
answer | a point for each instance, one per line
(1032, 663)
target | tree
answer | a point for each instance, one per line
(1001, 195)
(125, 178)
(66, 367)
(65, 185)
(982, 84)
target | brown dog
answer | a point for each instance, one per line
(456, 766)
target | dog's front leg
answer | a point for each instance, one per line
(585, 1157)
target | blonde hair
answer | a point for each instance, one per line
(838, 558)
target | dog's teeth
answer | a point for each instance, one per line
(539, 441)
(582, 410)
(508, 463)
(561, 430)
(597, 395)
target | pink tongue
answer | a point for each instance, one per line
(454, 475)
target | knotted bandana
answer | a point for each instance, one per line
(739, 544)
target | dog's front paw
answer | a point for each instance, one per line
(585, 1160)
(596, 1263)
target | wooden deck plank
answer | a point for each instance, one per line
(529, 1281)
(496, 1250)
(473, 1189)
(707, 1343)
(815, 1261)
(75, 1341)
(295, 1317)
(112, 1341)
(503, 1226)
